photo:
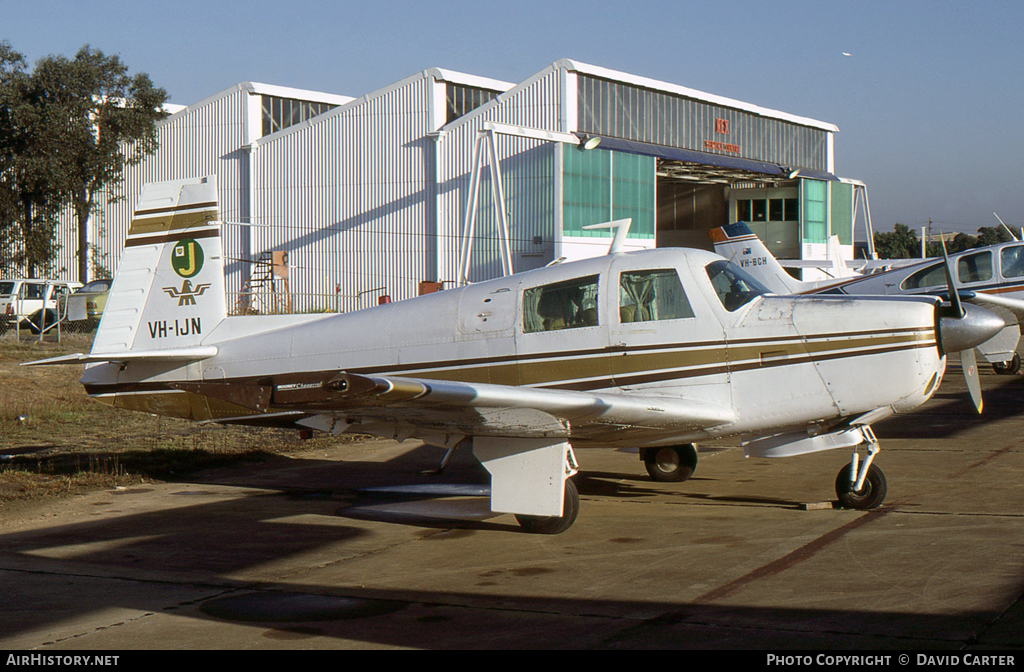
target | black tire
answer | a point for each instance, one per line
(1009, 368)
(35, 323)
(32, 322)
(671, 464)
(868, 497)
(555, 524)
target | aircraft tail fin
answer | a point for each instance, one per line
(738, 243)
(840, 269)
(168, 291)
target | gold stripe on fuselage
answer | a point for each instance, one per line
(689, 361)
(186, 218)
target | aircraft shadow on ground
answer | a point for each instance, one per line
(400, 491)
(951, 405)
(186, 557)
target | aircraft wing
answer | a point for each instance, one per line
(1014, 306)
(478, 409)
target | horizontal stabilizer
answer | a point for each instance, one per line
(169, 355)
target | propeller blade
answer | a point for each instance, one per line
(970, 366)
(954, 298)
(958, 312)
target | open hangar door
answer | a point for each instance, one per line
(699, 191)
(694, 198)
(688, 207)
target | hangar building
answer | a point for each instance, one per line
(382, 195)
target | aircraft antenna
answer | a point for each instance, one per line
(621, 227)
(1012, 234)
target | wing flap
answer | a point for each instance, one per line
(483, 409)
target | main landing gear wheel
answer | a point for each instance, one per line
(555, 524)
(1007, 368)
(671, 464)
(871, 494)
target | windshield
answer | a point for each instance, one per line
(734, 287)
(6, 288)
(96, 286)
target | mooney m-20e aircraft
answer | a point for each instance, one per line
(990, 276)
(655, 349)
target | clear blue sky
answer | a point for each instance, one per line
(929, 100)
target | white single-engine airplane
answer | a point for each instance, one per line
(656, 349)
(990, 276)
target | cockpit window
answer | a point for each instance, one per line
(563, 305)
(652, 295)
(734, 287)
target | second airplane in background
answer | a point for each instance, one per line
(991, 276)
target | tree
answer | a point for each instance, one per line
(993, 235)
(901, 243)
(30, 167)
(74, 127)
(960, 242)
(114, 128)
(11, 62)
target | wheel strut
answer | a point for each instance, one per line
(860, 484)
(862, 472)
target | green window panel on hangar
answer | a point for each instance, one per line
(818, 204)
(600, 186)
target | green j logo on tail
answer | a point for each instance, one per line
(187, 258)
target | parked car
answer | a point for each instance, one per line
(88, 302)
(32, 303)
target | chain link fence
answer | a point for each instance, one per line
(23, 319)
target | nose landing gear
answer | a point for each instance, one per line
(862, 486)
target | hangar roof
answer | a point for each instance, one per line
(653, 84)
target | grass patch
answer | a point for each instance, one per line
(56, 441)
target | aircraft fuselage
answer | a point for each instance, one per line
(780, 362)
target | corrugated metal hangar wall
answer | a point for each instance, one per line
(369, 196)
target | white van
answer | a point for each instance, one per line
(31, 301)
